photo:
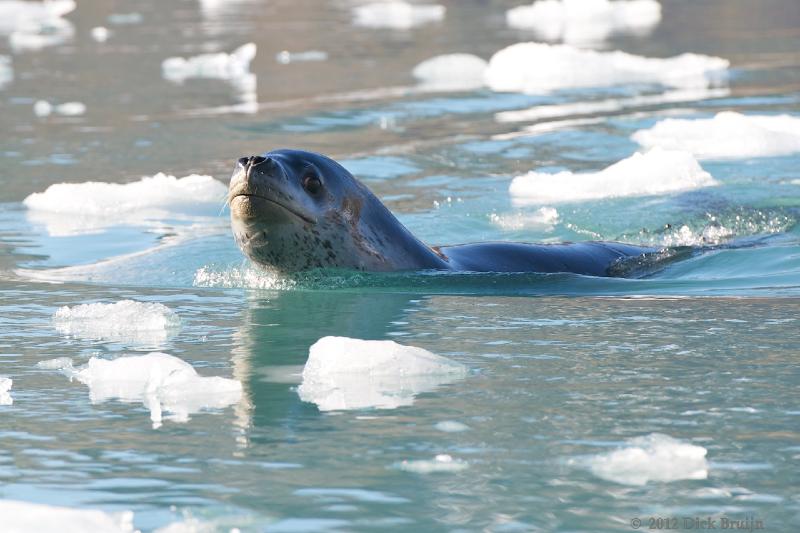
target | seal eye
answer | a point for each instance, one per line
(312, 184)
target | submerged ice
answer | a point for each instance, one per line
(343, 373)
(727, 135)
(125, 321)
(161, 382)
(654, 172)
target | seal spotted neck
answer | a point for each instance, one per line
(293, 210)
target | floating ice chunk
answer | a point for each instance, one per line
(653, 457)
(451, 426)
(162, 382)
(285, 57)
(15, 14)
(584, 22)
(539, 68)
(6, 71)
(235, 65)
(542, 219)
(101, 198)
(35, 25)
(344, 373)
(727, 135)
(397, 14)
(655, 172)
(440, 463)
(125, 321)
(43, 108)
(5, 391)
(100, 34)
(24, 517)
(451, 72)
(80, 208)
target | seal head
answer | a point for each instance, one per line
(293, 210)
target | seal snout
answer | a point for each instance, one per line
(256, 162)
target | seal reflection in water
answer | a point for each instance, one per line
(293, 210)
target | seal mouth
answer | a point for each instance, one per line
(286, 208)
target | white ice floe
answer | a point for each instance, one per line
(25, 517)
(79, 208)
(653, 457)
(35, 25)
(397, 14)
(233, 66)
(344, 373)
(5, 391)
(440, 463)
(540, 68)
(101, 198)
(126, 321)
(451, 72)
(727, 135)
(162, 382)
(284, 57)
(583, 22)
(543, 219)
(6, 71)
(655, 172)
(43, 108)
(100, 34)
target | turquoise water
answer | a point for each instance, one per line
(562, 368)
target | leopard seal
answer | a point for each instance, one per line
(293, 210)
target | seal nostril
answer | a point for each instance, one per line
(257, 160)
(243, 161)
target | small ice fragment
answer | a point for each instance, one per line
(397, 14)
(583, 22)
(6, 71)
(42, 108)
(653, 457)
(124, 19)
(100, 34)
(543, 219)
(344, 373)
(17, 13)
(728, 135)
(71, 109)
(285, 57)
(451, 72)
(162, 382)
(451, 426)
(99, 198)
(655, 172)
(235, 65)
(24, 517)
(59, 363)
(124, 321)
(5, 391)
(440, 463)
(536, 68)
